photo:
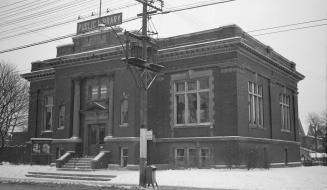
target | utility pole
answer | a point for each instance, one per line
(145, 78)
(144, 98)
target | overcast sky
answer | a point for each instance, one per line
(306, 47)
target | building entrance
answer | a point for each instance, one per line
(96, 134)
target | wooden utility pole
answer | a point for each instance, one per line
(144, 75)
(144, 100)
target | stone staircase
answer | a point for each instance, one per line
(68, 176)
(77, 164)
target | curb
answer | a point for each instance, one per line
(65, 183)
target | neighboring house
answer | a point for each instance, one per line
(309, 142)
(18, 137)
(223, 98)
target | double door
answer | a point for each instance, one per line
(96, 135)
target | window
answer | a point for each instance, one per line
(123, 157)
(191, 101)
(36, 148)
(124, 112)
(204, 156)
(101, 135)
(180, 154)
(48, 111)
(284, 102)
(255, 104)
(61, 117)
(97, 89)
(192, 157)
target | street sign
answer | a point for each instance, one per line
(89, 25)
(149, 135)
(143, 143)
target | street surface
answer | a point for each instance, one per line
(10, 186)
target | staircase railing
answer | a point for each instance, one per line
(101, 160)
(64, 158)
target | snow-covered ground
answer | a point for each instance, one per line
(299, 178)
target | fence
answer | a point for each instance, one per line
(15, 154)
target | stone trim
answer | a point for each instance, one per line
(225, 138)
(57, 141)
(121, 139)
(186, 75)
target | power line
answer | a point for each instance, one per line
(289, 29)
(43, 12)
(52, 25)
(294, 24)
(25, 7)
(12, 4)
(53, 39)
(195, 6)
(38, 43)
(176, 10)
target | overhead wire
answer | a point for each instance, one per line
(19, 7)
(54, 39)
(186, 8)
(5, 6)
(43, 12)
(298, 28)
(55, 24)
(36, 5)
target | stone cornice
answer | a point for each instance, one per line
(177, 52)
(198, 49)
(252, 50)
(39, 75)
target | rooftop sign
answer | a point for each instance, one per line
(89, 25)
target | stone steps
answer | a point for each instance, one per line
(86, 177)
(77, 164)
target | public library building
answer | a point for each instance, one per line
(223, 99)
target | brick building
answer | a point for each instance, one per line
(224, 98)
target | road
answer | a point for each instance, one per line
(10, 186)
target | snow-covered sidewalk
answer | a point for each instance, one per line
(306, 178)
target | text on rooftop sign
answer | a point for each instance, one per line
(89, 25)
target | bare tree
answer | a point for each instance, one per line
(13, 100)
(324, 124)
(315, 127)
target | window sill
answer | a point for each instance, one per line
(123, 125)
(285, 131)
(60, 128)
(254, 126)
(47, 131)
(192, 125)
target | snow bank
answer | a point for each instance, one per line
(299, 178)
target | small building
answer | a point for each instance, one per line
(223, 99)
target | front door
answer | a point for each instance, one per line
(96, 134)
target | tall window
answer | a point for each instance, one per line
(192, 101)
(255, 104)
(284, 102)
(204, 156)
(123, 156)
(61, 117)
(48, 112)
(124, 112)
(97, 89)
